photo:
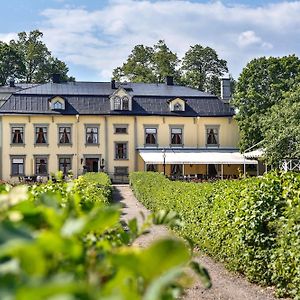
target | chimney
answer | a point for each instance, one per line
(11, 82)
(56, 78)
(113, 84)
(169, 80)
(225, 90)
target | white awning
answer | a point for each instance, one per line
(195, 157)
(254, 154)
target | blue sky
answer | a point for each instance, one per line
(93, 37)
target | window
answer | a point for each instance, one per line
(177, 107)
(117, 103)
(41, 134)
(151, 168)
(121, 103)
(121, 170)
(65, 164)
(92, 135)
(176, 170)
(121, 150)
(121, 129)
(150, 136)
(212, 136)
(17, 135)
(176, 136)
(125, 103)
(64, 135)
(17, 166)
(57, 105)
(41, 165)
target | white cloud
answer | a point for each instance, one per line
(249, 38)
(102, 39)
(7, 37)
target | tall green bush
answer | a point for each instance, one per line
(251, 225)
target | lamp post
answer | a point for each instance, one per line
(164, 157)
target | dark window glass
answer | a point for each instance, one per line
(125, 103)
(17, 166)
(151, 134)
(176, 170)
(65, 164)
(151, 168)
(212, 136)
(17, 135)
(121, 130)
(176, 136)
(64, 135)
(92, 135)
(41, 135)
(177, 107)
(121, 151)
(41, 166)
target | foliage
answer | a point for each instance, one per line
(262, 84)
(282, 129)
(148, 64)
(251, 225)
(31, 60)
(11, 65)
(52, 246)
(202, 69)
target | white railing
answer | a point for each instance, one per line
(290, 165)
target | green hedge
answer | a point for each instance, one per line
(252, 225)
(54, 246)
(94, 188)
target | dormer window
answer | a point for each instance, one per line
(121, 100)
(177, 104)
(57, 103)
(177, 107)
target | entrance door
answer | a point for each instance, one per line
(212, 171)
(92, 164)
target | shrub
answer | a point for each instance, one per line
(251, 225)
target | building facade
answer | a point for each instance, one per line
(117, 128)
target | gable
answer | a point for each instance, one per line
(177, 104)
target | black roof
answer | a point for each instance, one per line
(92, 98)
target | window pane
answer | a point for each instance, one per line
(17, 160)
(150, 130)
(41, 166)
(117, 103)
(125, 102)
(176, 130)
(65, 165)
(121, 130)
(64, 135)
(41, 135)
(212, 136)
(121, 151)
(92, 135)
(17, 135)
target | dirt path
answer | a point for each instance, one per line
(226, 285)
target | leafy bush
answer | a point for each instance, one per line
(53, 246)
(251, 225)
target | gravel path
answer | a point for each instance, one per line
(226, 285)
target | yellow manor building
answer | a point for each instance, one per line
(118, 128)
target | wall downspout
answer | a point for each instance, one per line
(135, 145)
(106, 144)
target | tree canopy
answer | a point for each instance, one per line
(28, 59)
(282, 129)
(200, 67)
(262, 84)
